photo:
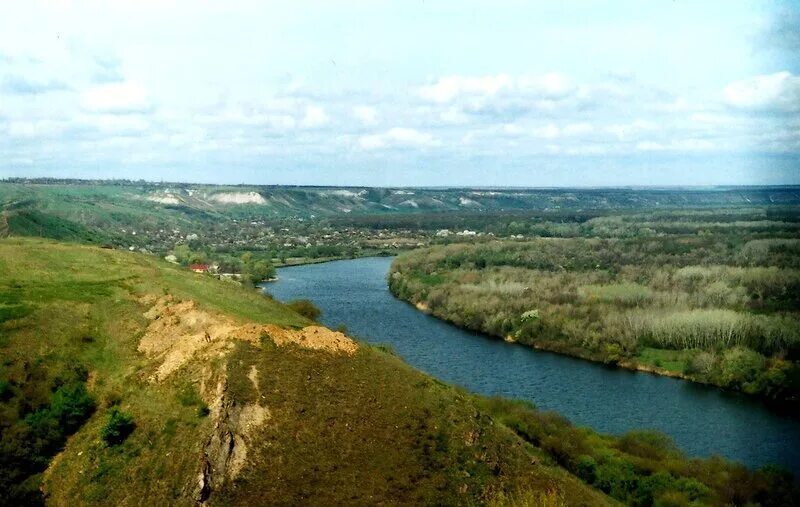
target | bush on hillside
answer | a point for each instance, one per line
(305, 308)
(119, 425)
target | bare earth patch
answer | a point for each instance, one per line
(238, 198)
(180, 332)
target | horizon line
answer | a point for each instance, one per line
(126, 181)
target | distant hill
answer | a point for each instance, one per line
(192, 200)
(99, 212)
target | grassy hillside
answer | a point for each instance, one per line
(110, 206)
(307, 425)
(128, 381)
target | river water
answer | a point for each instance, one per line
(702, 420)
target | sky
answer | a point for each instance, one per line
(403, 93)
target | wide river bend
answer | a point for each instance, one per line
(702, 420)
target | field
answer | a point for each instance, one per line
(700, 294)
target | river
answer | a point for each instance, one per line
(702, 420)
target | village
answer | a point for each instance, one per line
(218, 249)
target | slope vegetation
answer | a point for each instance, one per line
(127, 381)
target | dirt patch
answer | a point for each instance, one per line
(91, 380)
(313, 337)
(180, 332)
(253, 376)
(225, 452)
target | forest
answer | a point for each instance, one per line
(701, 295)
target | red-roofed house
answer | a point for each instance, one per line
(199, 268)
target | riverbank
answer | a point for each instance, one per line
(302, 261)
(634, 304)
(627, 364)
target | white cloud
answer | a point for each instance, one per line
(678, 145)
(279, 115)
(448, 88)
(397, 136)
(114, 122)
(512, 129)
(549, 131)
(453, 116)
(366, 115)
(552, 85)
(546, 87)
(626, 131)
(314, 117)
(772, 92)
(116, 98)
(578, 129)
(30, 129)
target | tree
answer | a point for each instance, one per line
(263, 270)
(183, 253)
(258, 271)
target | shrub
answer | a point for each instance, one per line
(5, 390)
(119, 425)
(587, 469)
(616, 478)
(530, 316)
(647, 444)
(692, 488)
(701, 364)
(613, 353)
(690, 277)
(740, 366)
(672, 499)
(650, 487)
(71, 405)
(721, 294)
(49, 427)
(305, 308)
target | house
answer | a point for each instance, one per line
(199, 268)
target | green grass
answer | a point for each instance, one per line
(670, 360)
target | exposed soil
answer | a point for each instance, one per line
(180, 332)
